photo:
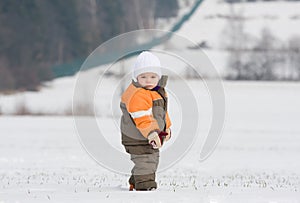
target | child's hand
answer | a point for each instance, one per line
(168, 136)
(156, 139)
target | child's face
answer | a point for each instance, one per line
(148, 80)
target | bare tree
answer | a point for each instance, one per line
(251, 59)
(7, 80)
(293, 57)
(265, 58)
(235, 41)
(145, 13)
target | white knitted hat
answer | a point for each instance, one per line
(146, 62)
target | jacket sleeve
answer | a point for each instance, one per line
(140, 109)
(168, 121)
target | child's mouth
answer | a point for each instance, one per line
(148, 86)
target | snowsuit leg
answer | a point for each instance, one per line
(145, 161)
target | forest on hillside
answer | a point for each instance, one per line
(37, 35)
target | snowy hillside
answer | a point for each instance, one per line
(211, 19)
(211, 25)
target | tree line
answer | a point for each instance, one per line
(262, 57)
(37, 35)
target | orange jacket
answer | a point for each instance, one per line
(147, 108)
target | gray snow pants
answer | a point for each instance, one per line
(145, 160)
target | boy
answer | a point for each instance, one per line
(145, 123)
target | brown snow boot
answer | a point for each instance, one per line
(131, 187)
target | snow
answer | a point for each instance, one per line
(207, 24)
(210, 24)
(256, 160)
(41, 158)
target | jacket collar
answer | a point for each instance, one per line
(163, 81)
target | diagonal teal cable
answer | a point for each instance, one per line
(73, 67)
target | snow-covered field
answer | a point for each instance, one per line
(257, 159)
